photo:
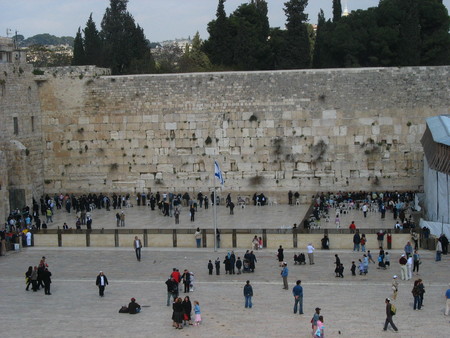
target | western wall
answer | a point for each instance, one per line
(82, 130)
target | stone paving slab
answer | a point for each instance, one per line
(353, 306)
(251, 217)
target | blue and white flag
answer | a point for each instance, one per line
(218, 172)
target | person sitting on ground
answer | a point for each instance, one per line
(133, 307)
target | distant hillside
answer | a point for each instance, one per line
(45, 40)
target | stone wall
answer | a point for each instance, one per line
(306, 130)
(20, 138)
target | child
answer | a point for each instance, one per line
(210, 267)
(353, 269)
(387, 260)
(361, 267)
(239, 265)
(198, 316)
(319, 328)
(369, 255)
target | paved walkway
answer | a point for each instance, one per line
(352, 306)
(251, 217)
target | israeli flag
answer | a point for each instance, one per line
(218, 172)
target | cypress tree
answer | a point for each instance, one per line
(296, 52)
(78, 50)
(337, 10)
(92, 43)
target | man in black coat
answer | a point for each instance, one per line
(101, 282)
(47, 281)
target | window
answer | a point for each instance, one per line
(16, 126)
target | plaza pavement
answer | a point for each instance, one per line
(352, 306)
(251, 217)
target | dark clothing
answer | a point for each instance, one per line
(210, 268)
(187, 309)
(217, 262)
(47, 281)
(101, 288)
(248, 290)
(186, 281)
(177, 315)
(134, 308)
(389, 318)
(280, 255)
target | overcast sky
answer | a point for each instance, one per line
(160, 19)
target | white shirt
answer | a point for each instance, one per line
(409, 261)
(102, 280)
(310, 249)
(137, 244)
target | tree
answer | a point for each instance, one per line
(434, 34)
(250, 31)
(125, 47)
(296, 52)
(78, 50)
(337, 10)
(219, 46)
(92, 43)
(321, 50)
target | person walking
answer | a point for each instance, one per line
(137, 247)
(297, 291)
(248, 294)
(28, 277)
(310, 249)
(416, 261)
(101, 282)
(447, 304)
(389, 313)
(284, 274)
(338, 265)
(394, 287)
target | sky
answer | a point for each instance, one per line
(160, 19)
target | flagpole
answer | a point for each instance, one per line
(215, 210)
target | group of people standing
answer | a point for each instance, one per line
(38, 277)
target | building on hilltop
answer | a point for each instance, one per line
(9, 53)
